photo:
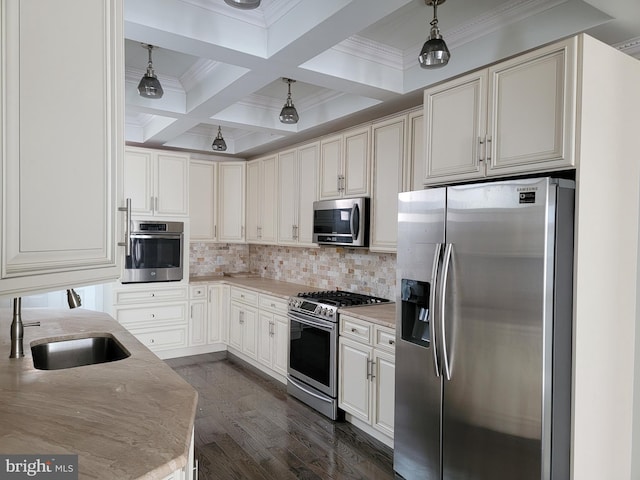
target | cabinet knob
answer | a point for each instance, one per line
(354, 330)
(151, 340)
(391, 342)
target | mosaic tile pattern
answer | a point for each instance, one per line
(217, 258)
(325, 268)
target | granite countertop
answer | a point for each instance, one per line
(382, 314)
(269, 286)
(128, 419)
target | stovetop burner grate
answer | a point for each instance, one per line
(342, 298)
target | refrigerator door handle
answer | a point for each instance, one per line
(432, 306)
(443, 298)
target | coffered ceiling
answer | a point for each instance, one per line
(353, 60)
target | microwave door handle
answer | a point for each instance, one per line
(355, 221)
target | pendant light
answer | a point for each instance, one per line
(289, 114)
(219, 145)
(243, 4)
(434, 52)
(149, 86)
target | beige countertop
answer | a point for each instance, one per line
(126, 419)
(382, 314)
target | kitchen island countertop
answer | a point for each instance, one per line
(128, 419)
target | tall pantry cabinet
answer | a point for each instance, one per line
(61, 137)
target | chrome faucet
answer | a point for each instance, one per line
(17, 329)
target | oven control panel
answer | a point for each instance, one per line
(315, 309)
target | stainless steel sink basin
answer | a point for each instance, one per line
(76, 352)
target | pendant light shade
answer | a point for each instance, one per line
(243, 4)
(289, 114)
(149, 86)
(219, 145)
(434, 52)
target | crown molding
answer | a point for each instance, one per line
(630, 47)
(371, 50)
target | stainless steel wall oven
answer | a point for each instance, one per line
(155, 252)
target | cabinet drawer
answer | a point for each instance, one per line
(356, 329)
(150, 295)
(199, 291)
(274, 304)
(171, 314)
(384, 338)
(245, 296)
(162, 338)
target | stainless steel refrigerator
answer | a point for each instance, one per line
(483, 356)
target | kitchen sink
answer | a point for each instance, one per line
(76, 352)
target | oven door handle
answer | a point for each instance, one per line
(308, 321)
(148, 236)
(306, 390)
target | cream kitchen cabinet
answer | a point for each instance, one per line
(273, 334)
(366, 374)
(231, 202)
(415, 174)
(344, 169)
(62, 144)
(262, 200)
(206, 313)
(297, 190)
(202, 200)
(157, 182)
(243, 322)
(517, 116)
(389, 165)
(157, 315)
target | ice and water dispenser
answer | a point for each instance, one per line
(415, 312)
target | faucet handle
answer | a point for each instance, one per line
(31, 324)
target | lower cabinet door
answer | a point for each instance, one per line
(235, 326)
(354, 388)
(250, 332)
(280, 344)
(384, 371)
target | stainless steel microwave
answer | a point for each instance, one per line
(341, 222)
(155, 252)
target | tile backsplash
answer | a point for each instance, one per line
(327, 268)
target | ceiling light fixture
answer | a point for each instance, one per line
(289, 114)
(149, 86)
(434, 52)
(243, 4)
(219, 145)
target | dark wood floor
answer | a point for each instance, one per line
(247, 427)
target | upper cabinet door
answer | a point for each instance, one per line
(137, 179)
(156, 182)
(455, 119)
(288, 188)
(356, 163)
(330, 174)
(202, 200)
(172, 184)
(61, 143)
(231, 202)
(532, 111)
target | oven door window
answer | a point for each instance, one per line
(337, 221)
(310, 351)
(154, 251)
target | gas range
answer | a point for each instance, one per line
(325, 304)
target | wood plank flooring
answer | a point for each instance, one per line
(247, 427)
